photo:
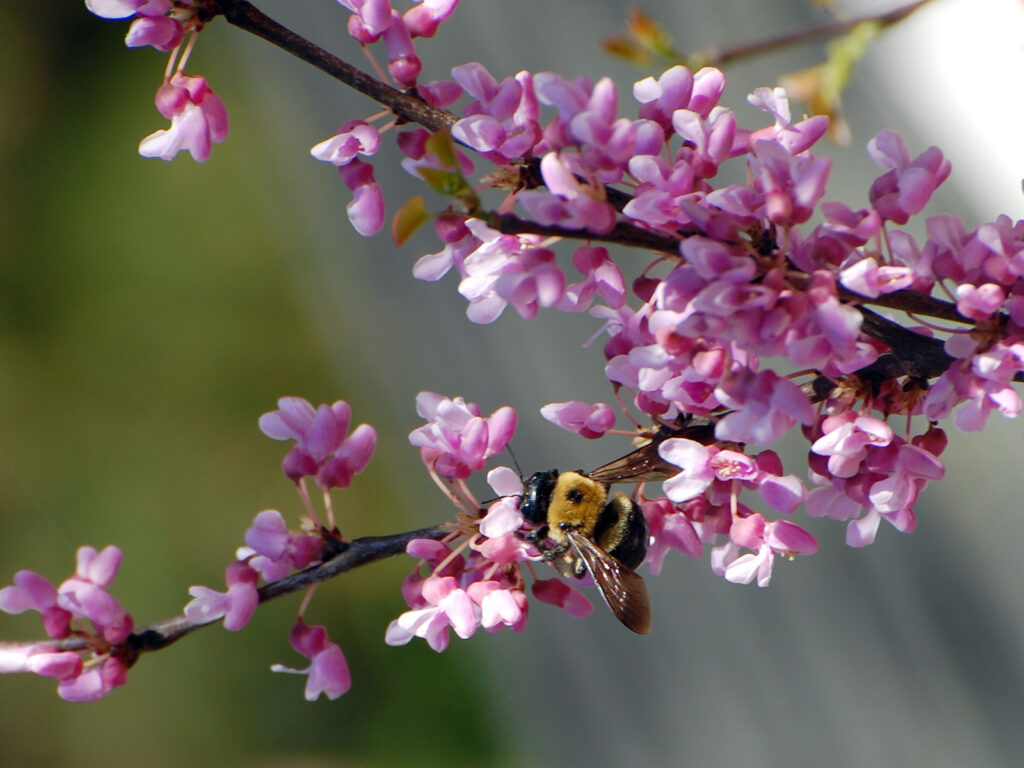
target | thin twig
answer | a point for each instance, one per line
(717, 56)
(362, 551)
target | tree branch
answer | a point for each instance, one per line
(406, 106)
(362, 551)
(717, 56)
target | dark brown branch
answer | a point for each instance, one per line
(717, 56)
(359, 552)
(623, 233)
(408, 107)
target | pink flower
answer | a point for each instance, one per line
(448, 607)
(369, 19)
(236, 606)
(670, 528)
(40, 659)
(321, 446)
(404, 65)
(907, 188)
(567, 202)
(794, 137)
(198, 119)
(590, 421)
(792, 183)
(979, 302)
(767, 539)
(868, 278)
(84, 595)
(33, 592)
(352, 138)
(846, 439)
(328, 671)
(601, 277)
(503, 516)
(423, 19)
(764, 405)
(508, 269)
(499, 607)
(558, 593)
(122, 9)
(457, 439)
(700, 465)
(366, 211)
(279, 549)
(163, 33)
(501, 122)
(94, 682)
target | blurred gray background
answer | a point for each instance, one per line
(150, 312)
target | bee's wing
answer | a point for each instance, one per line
(622, 589)
(645, 463)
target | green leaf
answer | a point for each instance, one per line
(441, 146)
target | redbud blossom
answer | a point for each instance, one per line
(82, 596)
(558, 593)
(321, 448)
(457, 439)
(352, 138)
(328, 671)
(197, 116)
(236, 606)
(122, 9)
(163, 33)
(590, 421)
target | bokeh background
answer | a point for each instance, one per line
(149, 312)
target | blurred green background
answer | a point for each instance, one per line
(150, 312)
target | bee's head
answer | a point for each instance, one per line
(537, 495)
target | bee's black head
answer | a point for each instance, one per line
(537, 495)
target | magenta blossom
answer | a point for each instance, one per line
(448, 606)
(321, 448)
(457, 439)
(670, 528)
(907, 188)
(83, 596)
(356, 137)
(366, 211)
(198, 119)
(590, 421)
(274, 550)
(328, 671)
(236, 606)
(499, 606)
(846, 439)
(163, 33)
(558, 593)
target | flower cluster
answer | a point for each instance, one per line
(741, 278)
(373, 20)
(198, 117)
(324, 450)
(474, 578)
(80, 609)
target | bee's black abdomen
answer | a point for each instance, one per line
(621, 531)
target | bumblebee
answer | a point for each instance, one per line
(601, 535)
(592, 533)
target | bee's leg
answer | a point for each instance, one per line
(553, 553)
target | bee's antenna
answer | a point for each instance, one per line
(518, 468)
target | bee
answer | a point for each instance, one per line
(605, 536)
(592, 533)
